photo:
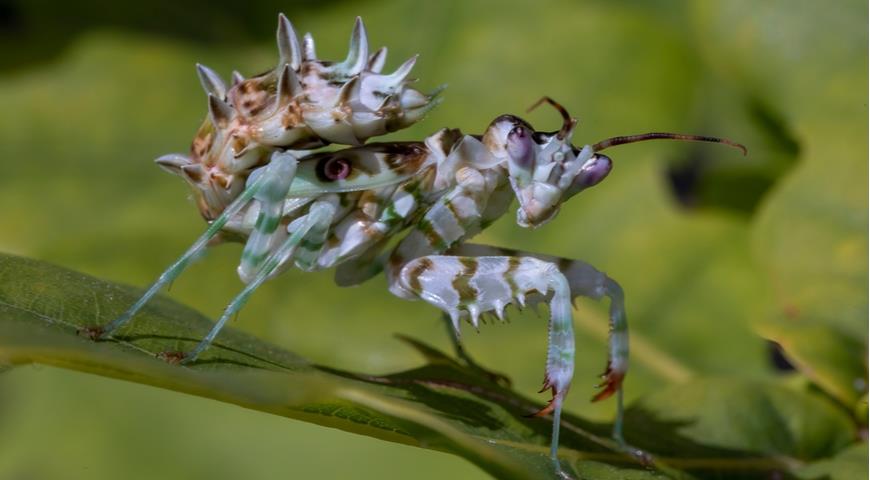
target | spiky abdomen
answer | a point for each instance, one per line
(302, 103)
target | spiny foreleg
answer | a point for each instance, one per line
(470, 286)
(585, 280)
(269, 182)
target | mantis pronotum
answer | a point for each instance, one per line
(255, 179)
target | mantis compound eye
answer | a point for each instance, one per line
(594, 170)
(520, 147)
(332, 169)
(591, 173)
(521, 151)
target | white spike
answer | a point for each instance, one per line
(454, 318)
(396, 78)
(211, 81)
(345, 95)
(219, 111)
(521, 299)
(288, 85)
(173, 162)
(498, 306)
(237, 78)
(288, 43)
(377, 60)
(413, 99)
(358, 54)
(193, 173)
(415, 114)
(308, 52)
(474, 311)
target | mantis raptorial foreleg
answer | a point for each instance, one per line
(463, 285)
(318, 218)
(275, 177)
(585, 280)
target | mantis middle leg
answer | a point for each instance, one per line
(309, 229)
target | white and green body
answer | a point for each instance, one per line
(342, 209)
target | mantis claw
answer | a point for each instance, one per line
(92, 333)
(174, 357)
(612, 382)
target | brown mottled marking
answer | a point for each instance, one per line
(248, 87)
(202, 143)
(254, 111)
(251, 96)
(239, 144)
(369, 204)
(452, 208)
(222, 180)
(412, 155)
(292, 116)
(393, 160)
(422, 266)
(513, 265)
(461, 283)
(432, 236)
(448, 139)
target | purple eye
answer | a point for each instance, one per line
(594, 171)
(520, 147)
(331, 169)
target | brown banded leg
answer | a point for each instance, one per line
(466, 287)
(585, 280)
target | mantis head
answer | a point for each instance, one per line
(545, 169)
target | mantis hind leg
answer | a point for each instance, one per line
(317, 220)
(280, 171)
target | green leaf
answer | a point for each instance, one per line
(442, 405)
(758, 416)
(824, 355)
(810, 235)
(42, 306)
(850, 464)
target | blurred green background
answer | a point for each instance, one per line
(715, 251)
